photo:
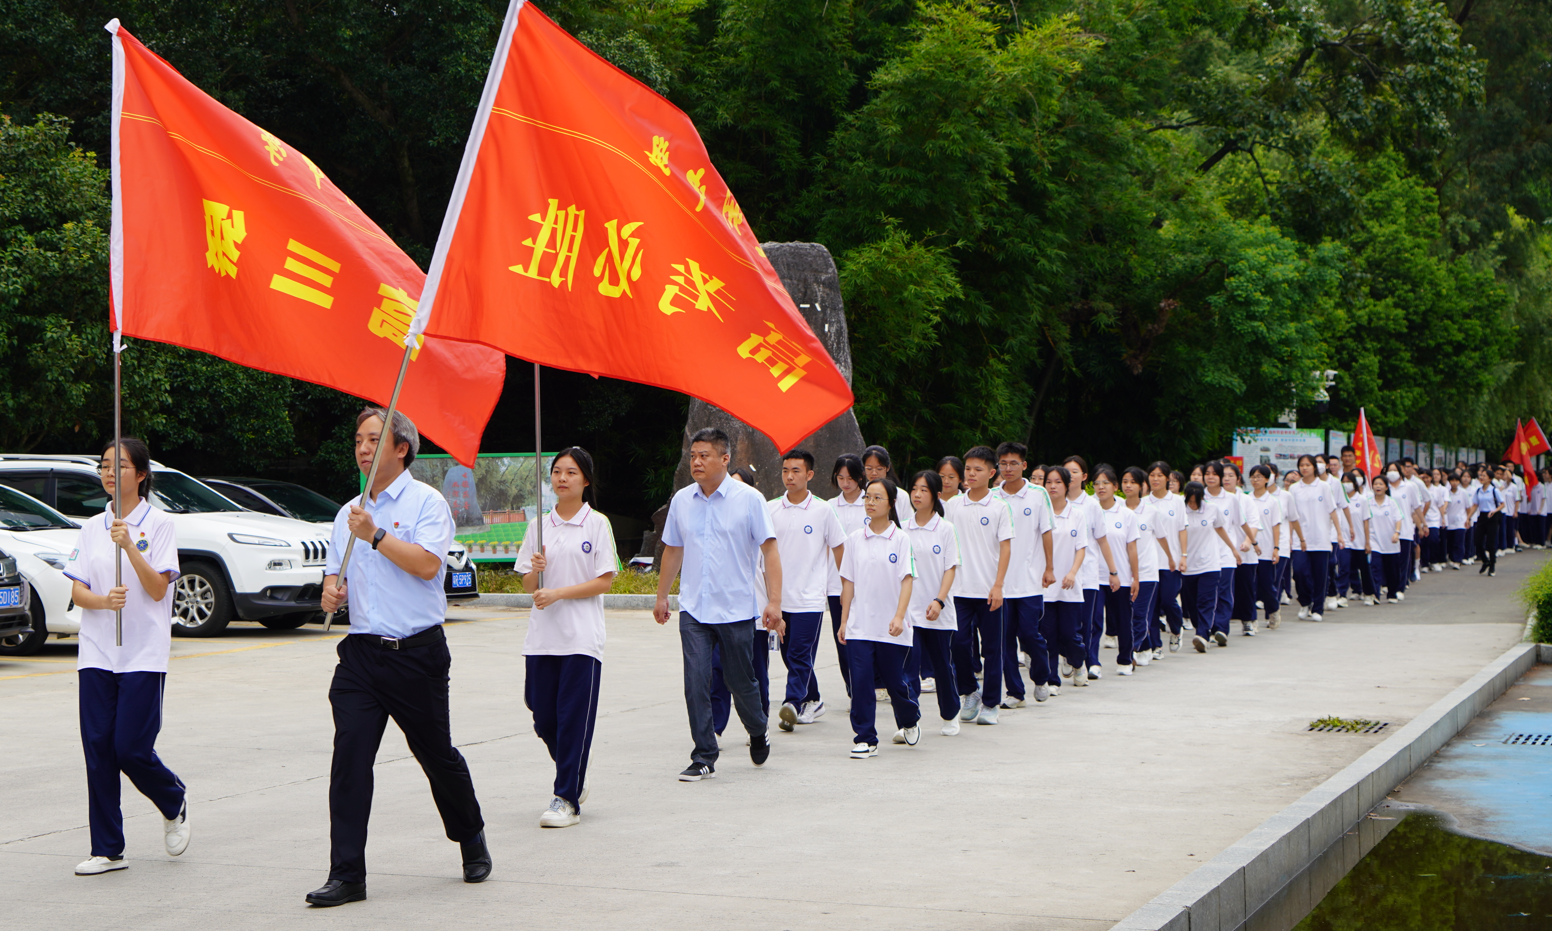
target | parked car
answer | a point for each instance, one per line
(15, 595)
(40, 539)
(235, 563)
(271, 496)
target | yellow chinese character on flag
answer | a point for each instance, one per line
(777, 353)
(272, 145)
(731, 211)
(391, 318)
(222, 236)
(626, 268)
(694, 177)
(659, 154)
(321, 272)
(565, 226)
(317, 172)
(693, 282)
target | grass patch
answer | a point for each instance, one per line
(626, 582)
(1341, 724)
(1536, 594)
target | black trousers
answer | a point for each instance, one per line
(1487, 539)
(372, 684)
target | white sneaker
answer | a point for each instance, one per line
(969, 706)
(912, 735)
(1042, 693)
(1200, 643)
(1341, 602)
(91, 866)
(788, 716)
(176, 831)
(863, 751)
(1053, 691)
(881, 694)
(1401, 596)
(929, 685)
(1096, 673)
(1125, 670)
(1220, 638)
(1174, 643)
(1368, 600)
(1304, 614)
(1064, 668)
(1286, 599)
(1023, 659)
(560, 814)
(1080, 677)
(988, 715)
(1142, 658)
(811, 712)
(899, 737)
(1274, 621)
(1008, 701)
(1248, 628)
(950, 727)
(1316, 617)
(1158, 654)
(1109, 643)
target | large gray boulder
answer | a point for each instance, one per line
(808, 272)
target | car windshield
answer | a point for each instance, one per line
(19, 512)
(303, 503)
(176, 492)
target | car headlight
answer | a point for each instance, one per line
(57, 560)
(252, 540)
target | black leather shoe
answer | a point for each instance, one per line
(337, 892)
(476, 859)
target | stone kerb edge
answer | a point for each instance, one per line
(611, 602)
(1226, 890)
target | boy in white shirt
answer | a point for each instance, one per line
(810, 540)
(1028, 574)
(985, 528)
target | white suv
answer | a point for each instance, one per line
(234, 563)
(40, 539)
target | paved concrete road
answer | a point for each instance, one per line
(1068, 815)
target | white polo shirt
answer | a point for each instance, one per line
(1030, 509)
(1385, 519)
(1267, 510)
(1203, 545)
(876, 564)
(1457, 503)
(982, 526)
(1229, 505)
(1169, 519)
(1121, 528)
(852, 516)
(1359, 508)
(147, 623)
(1313, 507)
(1437, 496)
(935, 550)
(1409, 500)
(576, 551)
(1149, 557)
(1069, 536)
(806, 535)
(1094, 573)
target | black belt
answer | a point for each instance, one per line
(429, 635)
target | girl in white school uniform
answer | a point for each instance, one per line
(1359, 544)
(564, 648)
(847, 475)
(1313, 532)
(1386, 518)
(1146, 642)
(1065, 620)
(935, 552)
(1205, 540)
(1246, 539)
(876, 579)
(951, 473)
(1169, 511)
(121, 686)
(1232, 554)
(1122, 532)
(1271, 542)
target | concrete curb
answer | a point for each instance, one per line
(1225, 892)
(611, 602)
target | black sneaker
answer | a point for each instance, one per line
(695, 772)
(1492, 572)
(760, 748)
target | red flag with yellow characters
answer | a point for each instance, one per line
(227, 240)
(588, 230)
(1365, 449)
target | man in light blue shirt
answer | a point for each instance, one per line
(395, 662)
(718, 530)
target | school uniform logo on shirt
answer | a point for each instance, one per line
(985, 521)
(1074, 532)
(936, 549)
(142, 545)
(1028, 512)
(808, 528)
(894, 557)
(587, 546)
(1118, 525)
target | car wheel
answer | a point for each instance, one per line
(287, 621)
(33, 642)
(202, 603)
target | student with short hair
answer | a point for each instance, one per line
(1122, 532)
(1028, 568)
(1205, 536)
(1169, 511)
(1101, 559)
(1270, 543)
(1457, 508)
(810, 540)
(935, 551)
(985, 528)
(876, 584)
(1238, 537)
(1064, 621)
(1385, 521)
(563, 650)
(1151, 550)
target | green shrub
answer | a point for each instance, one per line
(626, 582)
(1537, 595)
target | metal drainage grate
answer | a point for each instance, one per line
(1363, 727)
(1529, 740)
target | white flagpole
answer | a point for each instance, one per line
(385, 437)
(118, 478)
(116, 292)
(538, 476)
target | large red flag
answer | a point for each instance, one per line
(1535, 439)
(1367, 451)
(1519, 451)
(589, 231)
(227, 240)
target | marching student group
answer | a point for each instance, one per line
(957, 583)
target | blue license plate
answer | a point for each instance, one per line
(11, 597)
(463, 580)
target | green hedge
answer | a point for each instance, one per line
(1537, 595)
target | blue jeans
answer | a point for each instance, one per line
(721, 698)
(733, 641)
